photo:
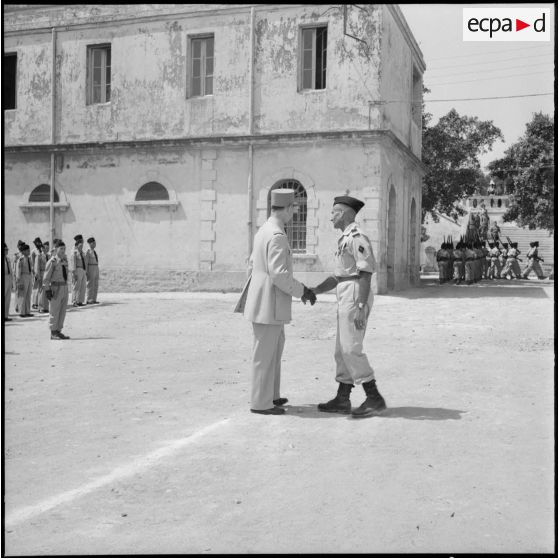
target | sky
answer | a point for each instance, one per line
(457, 69)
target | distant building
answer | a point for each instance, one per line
(165, 127)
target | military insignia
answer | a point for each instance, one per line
(361, 249)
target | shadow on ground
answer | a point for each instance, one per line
(411, 413)
(431, 288)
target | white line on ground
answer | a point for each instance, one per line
(120, 473)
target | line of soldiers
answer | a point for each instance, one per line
(470, 261)
(40, 279)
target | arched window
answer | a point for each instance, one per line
(42, 194)
(152, 191)
(296, 229)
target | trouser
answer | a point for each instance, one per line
(37, 283)
(502, 262)
(485, 267)
(57, 307)
(535, 266)
(458, 270)
(78, 286)
(443, 267)
(494, 268)
(511, 268)
(469, 271)
(24, 295)
(7, 295)
(352, 366)
(269, 341)
(92, 283)
(42, 301)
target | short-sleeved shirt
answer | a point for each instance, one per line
(354, 253)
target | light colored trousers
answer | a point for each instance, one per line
(352, 364)
(92, 283)
(24, 295)
(535, 266)
(57, 307)
(37, 285)
(269, 341)
(78, 286)
(7, 295)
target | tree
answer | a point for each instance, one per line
(450, 152)
(528, 169)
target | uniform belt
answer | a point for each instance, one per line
(58, 283)
(348, 278)
(91, 264)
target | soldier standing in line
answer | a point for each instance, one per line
(17, 255)
(79, 271)
(469, 264)
(24, 278)
(39, 271)
(8, 284)
(443, 260)
(352, 281)
(494, 266)
(458, 263)
(503, 257)
(533, 261)
(451, 257)
(34, 253)
(268, 302)
(55, 283)
(92, 274)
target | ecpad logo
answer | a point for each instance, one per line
(506, 24)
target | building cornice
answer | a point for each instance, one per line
(397, 14)
(229, 140)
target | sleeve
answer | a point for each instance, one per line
(277, 253)
(17, 271)
(363, 254)
(48, 274)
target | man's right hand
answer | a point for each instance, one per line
(48, 294)
(308, 295)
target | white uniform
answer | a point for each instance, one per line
(354, 254)
(268, 307)
(8, 283)
(79, 269)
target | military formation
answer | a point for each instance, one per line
(40, 280)
(471, 260)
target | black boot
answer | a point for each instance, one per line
(374, 402)
(341, 403)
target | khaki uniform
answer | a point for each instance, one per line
(268, 307)
(39, 271)
(56, 279)
(458, 265)
(469, 265)
(494, 267)
(79, 270)
(8, 283)
(92, 274)
(443, 260)
(36, 282)
(512, 266)
(533, 265)
(24, 278)
(354, 254)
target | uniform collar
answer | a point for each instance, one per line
(276, 224)
(349, 228)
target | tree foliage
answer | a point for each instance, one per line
(528, 169)
(450, 151)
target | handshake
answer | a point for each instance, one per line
(308, 295)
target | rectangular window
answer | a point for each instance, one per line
(9, 89)
(98, 74)
(313, 58)
(201, 66)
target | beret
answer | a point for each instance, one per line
(78, 237)
(91, 239)
(353, 203)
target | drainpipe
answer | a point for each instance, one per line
(53, 137)
(251, 132)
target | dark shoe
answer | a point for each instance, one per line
(80, 304)
(55, 335)
(75, 304)
(272, 411)
(7, 319)
(29, 315)
(341, 403)
(62, 336)
(280, 401)
(373, 404)
(95, 302)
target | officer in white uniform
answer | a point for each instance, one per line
(355, 265)
(268, 302)
(79, 272)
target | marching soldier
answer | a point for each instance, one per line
(503, 257)
(268, 303)
(443, 260)
(352, 281)
(79, 271)
(494, 267)
(39, 271)
(479, 257)
(34, 253)
(24, 278)
(55, 283)
(92, 273)
(485, 260)
(458, 263)
(512, 270)
(469, 264)
(533, 261)
(8, 284)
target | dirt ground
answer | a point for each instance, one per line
(135, 436)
